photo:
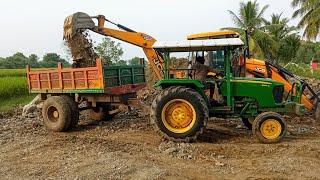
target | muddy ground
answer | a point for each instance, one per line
(128, 148)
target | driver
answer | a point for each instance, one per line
(201, 73)
(201, 70)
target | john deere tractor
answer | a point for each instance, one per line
(181, 111)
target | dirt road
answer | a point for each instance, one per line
(128, 148)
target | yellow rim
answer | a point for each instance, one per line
(178, 116)
(271, 129)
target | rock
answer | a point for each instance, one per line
(170, 150)
(31, 107)
(219, 164)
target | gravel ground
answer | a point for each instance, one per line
(128, 148)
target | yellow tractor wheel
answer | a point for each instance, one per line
(269, 127)
(179, 114)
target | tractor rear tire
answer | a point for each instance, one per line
(179, 114)
(74, 110)
(269, 127)
(56, 114)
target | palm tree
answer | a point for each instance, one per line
(309, 10)
(250, 18)
(284, 35)
(278, 27)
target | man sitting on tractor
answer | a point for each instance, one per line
(202, 72)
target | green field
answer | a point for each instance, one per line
(13, 88)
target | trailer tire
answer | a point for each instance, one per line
(56, 114)
(74, 110)
(101, 114)
(269, 127)
(179, 114)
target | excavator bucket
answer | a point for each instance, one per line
(76, 22)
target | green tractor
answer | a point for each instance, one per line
(181, 111)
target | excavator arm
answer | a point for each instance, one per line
(81, 21)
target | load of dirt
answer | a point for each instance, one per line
(81, 49)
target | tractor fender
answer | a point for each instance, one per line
(191, 83)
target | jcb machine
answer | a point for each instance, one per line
(264, 69)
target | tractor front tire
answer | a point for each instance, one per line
(269, 127)
(56, 114)
(179, 114)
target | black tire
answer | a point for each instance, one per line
(247, 123)
(56, 114)
(186, 94)
(279, 132)
(101, 113)
(317, 113)
(74, 110)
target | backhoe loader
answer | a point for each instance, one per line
(264, 69)
(81, 21)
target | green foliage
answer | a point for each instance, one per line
(303, 70)
(12, 73)
(51, 60)
(285, 36)
(134, 61)
(109, 51)
(309, 11)
(19, 61)
(13, 88)
(307, 52)
(250, 18)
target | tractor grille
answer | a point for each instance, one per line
(278, 93)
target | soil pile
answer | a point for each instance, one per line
(81, 50)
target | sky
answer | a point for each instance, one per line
(36, 26)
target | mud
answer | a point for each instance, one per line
(127, 147)
(81, 49)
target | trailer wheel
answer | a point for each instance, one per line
(269, 127)
(247, 122)
(102, 113)
(179, 114)
(74, 110)
(56, 114)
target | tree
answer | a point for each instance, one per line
(134, 61)
(121, 63)
(51, 60)
(286, 36)
(309, 10)
(307, 52)
(33, 61)
(250, 18)
(109, 51)
(18, 60)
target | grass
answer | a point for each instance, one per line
(12, 73)
(13, 89)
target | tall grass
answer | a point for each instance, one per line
(12, 73)
(13, 88)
